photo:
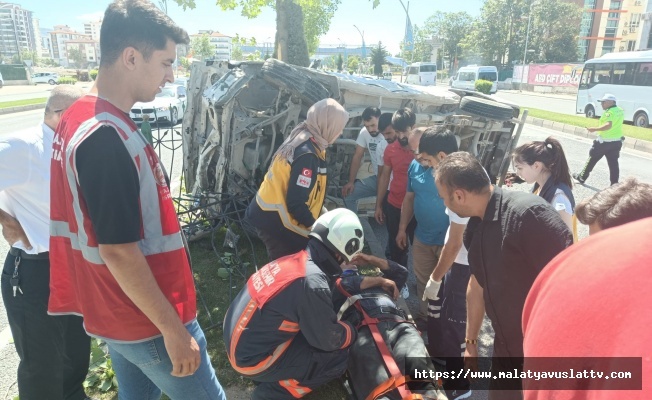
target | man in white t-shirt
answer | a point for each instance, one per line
(369, 139)
(446, 288)
(54, 351)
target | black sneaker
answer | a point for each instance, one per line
(458, 394)
(578, 178)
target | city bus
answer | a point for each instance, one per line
(626, 75)
(422, 73)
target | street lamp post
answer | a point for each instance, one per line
(527, 37)
(408, 32)
(364, 49)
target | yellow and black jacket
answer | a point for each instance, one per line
(295, 191)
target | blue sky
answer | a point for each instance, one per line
(386, 23)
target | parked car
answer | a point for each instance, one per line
(2, 82)
(237, 117)
(168, 105)
(45, 77)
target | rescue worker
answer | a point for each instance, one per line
(281, 330)
(292, 194)
(609, 141)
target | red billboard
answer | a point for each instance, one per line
(565, 75)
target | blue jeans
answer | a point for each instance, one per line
(143, 371)
(362, 189)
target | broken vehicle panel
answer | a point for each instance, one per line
(238, 115)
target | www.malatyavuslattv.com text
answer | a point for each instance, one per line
(516, 374)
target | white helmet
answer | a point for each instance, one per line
(340, 230)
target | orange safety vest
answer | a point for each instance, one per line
(80, 282)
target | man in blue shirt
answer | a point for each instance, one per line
(424, 203)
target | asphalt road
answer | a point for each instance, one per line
(564, 104)
(632, 163)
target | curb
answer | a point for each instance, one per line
(10, 110)
(630, 143)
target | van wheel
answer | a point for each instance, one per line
(589, 111)
(486, 108)
(52, 82)
(641, 119)
(288, 77)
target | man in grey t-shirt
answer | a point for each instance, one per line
(371, 140)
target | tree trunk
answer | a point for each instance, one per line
(291, 46)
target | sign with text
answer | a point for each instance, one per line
(560, 75)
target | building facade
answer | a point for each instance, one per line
(222, 44)
(93, 29)
(59, 36)
(613, 26)
(88, 49)
(16, 30)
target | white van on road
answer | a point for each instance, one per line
(422, 73)
(466, 77)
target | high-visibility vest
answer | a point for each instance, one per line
(273, 191)
(80, 281)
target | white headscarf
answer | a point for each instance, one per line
(324, 123)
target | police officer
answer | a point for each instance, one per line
(292, 194)
(281, 330)
(609, 141)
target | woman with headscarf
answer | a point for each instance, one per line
(292, 194)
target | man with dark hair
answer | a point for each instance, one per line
(54, 351)
(369, 139)
(397, 159)
(422, 202)
(619, 204)
(609, 141)
(510, 236)
(446, 286)
(118, 255)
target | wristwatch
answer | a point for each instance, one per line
(471, 341)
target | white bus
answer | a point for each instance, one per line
(626, 75)
(422, 73)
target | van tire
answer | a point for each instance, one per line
(641, 119)
(589, 111)
(486, 108)
(286, 76)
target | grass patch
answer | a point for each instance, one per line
(577, 120)
(25, 102)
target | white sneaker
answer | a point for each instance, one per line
(405, 293)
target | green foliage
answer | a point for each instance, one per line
(340, 62)
(33, 56)
(66, 80)
(317, 15)
(76, 56)
(100, 373)
(93, 74)
(378, 58)
(498, 35)
(483, 86)
(451, 29)
(185, 63)
(201, 47)
(352, 63)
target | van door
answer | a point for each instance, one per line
(491, 76)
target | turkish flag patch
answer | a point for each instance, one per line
(307, 172)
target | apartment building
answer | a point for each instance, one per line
(17, 31)
(59, 36)
(93, 29)
(221, 43)
(89, 50)
(613, 26)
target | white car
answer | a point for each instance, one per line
(168, 106)
(45, 77)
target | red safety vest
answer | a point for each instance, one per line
(80, 282)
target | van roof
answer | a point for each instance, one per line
(416, 64)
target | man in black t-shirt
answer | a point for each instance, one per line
(511, 236)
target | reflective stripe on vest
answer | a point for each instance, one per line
(263, 286)
(74, 246)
